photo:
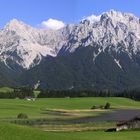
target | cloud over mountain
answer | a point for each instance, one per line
(53, 24)
(93, 18)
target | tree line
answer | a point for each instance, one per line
(29, 92)
(133, 94)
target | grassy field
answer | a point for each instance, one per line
(6, 89)
(77, 127)
(14, 132)
(9, 108)
(69, 108)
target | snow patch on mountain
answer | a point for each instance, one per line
(118, 63)
(95, 55)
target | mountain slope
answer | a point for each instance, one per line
(100, 52)
(25, 45)
(77, 71)
(112, 28)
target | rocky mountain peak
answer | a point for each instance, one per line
(110, 28)
(16, 25)
(27, 45)
(116, 16)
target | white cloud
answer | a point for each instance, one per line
(93, 18)
(53, 24)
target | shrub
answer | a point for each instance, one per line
(107, 106)
(95, 107)
(22, 116)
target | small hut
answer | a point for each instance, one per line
(131, 124)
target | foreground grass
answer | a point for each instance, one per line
(100, 135)
(15, 132)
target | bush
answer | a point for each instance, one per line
(22, 116)
(107, 106)
(94, 107)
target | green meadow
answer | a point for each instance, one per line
(9, 108)
(14, 132)
(54, 109)
(6, 89)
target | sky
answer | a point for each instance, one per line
(57, 13)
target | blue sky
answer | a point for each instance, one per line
(34, 12)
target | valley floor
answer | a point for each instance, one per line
(54, 119)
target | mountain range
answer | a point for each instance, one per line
(98, 53)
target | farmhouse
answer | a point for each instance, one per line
(131, 124)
